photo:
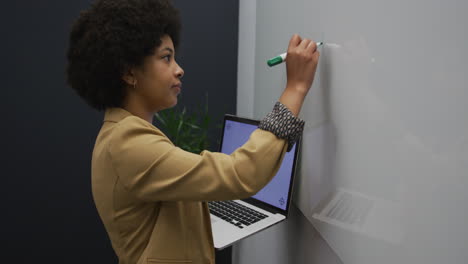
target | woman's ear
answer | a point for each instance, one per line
(129, 77)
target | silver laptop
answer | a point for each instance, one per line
(234, 220)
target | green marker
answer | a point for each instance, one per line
(281, 58)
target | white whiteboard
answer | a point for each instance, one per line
(384, 175)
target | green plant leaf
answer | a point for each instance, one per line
(187, 130)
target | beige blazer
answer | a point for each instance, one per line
(151, 195)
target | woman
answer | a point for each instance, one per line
(149, 193)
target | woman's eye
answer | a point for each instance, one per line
(167, 58)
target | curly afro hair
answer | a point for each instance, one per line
(111, 37)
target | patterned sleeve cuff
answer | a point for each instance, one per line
(283, 124)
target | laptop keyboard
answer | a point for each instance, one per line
(235, 213)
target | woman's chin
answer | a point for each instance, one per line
(174, 102)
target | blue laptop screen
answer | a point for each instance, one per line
(275, 193)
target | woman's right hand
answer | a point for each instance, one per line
(301, 64)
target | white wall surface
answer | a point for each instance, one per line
(384, 174)
(246, 57)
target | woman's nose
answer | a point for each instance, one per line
(179, 72)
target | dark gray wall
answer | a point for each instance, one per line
(208, 54)
(47, 212)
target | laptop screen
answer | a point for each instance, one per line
(275, 193)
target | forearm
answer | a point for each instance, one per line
(293, 98)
